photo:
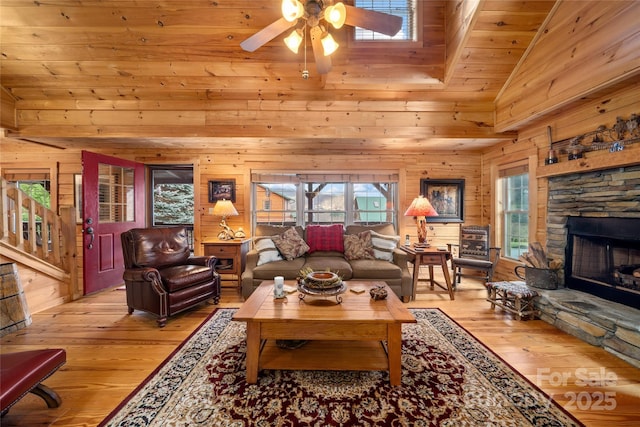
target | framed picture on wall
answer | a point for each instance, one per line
(446, 197)
(219, 190)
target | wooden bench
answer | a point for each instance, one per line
(515, 297)
(23, 372)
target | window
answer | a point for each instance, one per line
(36, 183)
(38, 190)
(172, 195)
(301, 199)
(514, 199)
(404, 8)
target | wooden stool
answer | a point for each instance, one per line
(515, 297)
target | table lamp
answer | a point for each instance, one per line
(420, 209)
(225, 208)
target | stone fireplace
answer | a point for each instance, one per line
(593, 226)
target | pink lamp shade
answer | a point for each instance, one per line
(421, 208)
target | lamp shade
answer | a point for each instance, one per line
(329, 45)
(224, 208)
(421, 207)
(294, 40)
(292, 10)
(336, 15)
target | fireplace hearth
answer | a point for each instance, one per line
(602, 255)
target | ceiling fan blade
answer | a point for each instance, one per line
(266, 34)
(379, 22)
(323, 63)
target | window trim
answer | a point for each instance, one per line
(300, 177)
(531, 162)
(352, 43)
(10, 168)
(194, 162)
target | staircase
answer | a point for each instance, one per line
(42, 242)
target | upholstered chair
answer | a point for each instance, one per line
(474, 254)
(161, 275)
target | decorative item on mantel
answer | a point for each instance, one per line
(225, 208)
(553, 155)
(421, 208)
(614, 139)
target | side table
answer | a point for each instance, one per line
(231, 254)
(429, 256)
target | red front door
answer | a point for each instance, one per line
(113, 202)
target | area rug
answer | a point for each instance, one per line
(448, 379)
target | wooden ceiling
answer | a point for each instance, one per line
(141, 73)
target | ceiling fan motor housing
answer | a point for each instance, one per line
(313, 11)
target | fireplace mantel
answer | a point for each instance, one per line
(592, 161)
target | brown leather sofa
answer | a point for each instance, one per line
(161, 276)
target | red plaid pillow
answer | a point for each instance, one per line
(325, 238)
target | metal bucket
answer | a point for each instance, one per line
(542, 278)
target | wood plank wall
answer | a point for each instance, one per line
(214, 165)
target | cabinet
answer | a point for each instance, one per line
(232, 256)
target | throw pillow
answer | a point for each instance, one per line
(384, 245)
(267, 251)
(358, 246)
(290, 244)
(325, 238)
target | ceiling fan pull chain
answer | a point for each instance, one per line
(305, 72)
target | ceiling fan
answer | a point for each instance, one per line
(315, 15)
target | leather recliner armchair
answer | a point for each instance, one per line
(161, 276)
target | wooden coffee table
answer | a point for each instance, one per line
(357, 334)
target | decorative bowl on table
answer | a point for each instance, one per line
(322, 280)
(321, 284)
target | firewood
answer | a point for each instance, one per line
(555, 264)
(539, 255)
(523, 259)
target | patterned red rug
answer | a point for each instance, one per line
(448, 379)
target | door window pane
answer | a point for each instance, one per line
(115, 193)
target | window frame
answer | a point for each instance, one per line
(499, 223)
(417, 41)
(301, 209)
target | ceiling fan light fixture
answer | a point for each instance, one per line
(329, 45)
(336, 15)
(294, 40)
(292, 10)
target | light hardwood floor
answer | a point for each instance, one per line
(110, 352)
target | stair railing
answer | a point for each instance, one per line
(30, 227)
